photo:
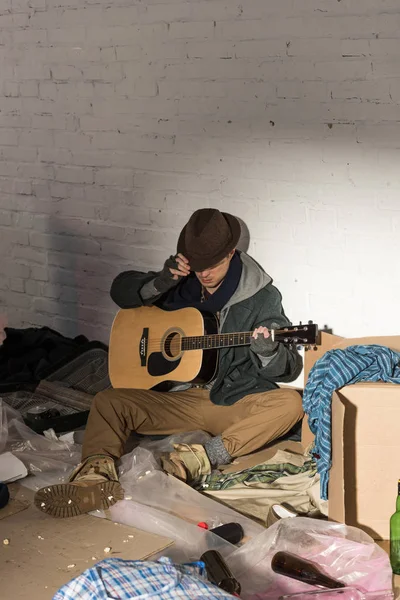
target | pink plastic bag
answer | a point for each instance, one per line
(345, 553)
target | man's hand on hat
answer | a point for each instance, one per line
(175, 267)
(262, 343)
(178, 266)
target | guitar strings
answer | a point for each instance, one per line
(224, 336)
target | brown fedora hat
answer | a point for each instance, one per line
(208, 237)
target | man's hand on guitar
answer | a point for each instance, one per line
(175, 267)
(262, 343)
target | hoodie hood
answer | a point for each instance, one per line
(252, 280)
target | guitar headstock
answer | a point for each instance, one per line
(298, 335)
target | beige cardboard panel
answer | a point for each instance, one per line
(391, 341)
(371, 450)
(376, 407)
(45, 553)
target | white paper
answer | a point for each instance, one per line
(11, 468)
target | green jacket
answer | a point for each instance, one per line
(255, 302)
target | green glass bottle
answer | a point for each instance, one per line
(395, 536)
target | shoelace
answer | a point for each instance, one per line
(194, 454)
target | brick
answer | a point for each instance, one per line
(38, 273)
(53, 307)
(60, 242)
(35, 171)
(11, 89)
(361, 90)
(74, 174)
(18, 153)
(18, 300)
(90, 159)
(30, 254)
(8, 169)
(5, 218)
(36, 138)
(71, 140)
(128, 53)
(33, 288)
(9, 137)
(29, 89)
(30, 36)
(66, 73)
(191, 30)
(17, 285)
(117, 177)
(10, 268)
(260, 49)
(145, 87)
(70, 35)
(58, 156)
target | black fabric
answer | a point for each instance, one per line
(188, 291)
(4, 495)
(29, 355)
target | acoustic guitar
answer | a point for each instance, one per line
(150, 346)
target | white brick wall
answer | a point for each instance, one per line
(117, 120)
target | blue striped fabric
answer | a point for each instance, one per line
(115, 578)
(331, 372)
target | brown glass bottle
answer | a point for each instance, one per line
(285, 563)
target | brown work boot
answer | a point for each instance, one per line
(93, 485)
(189, 462)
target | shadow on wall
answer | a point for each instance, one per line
(80, 280)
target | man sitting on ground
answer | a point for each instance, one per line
(242, 408)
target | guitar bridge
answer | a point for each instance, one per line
(143, 347)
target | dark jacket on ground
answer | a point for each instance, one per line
(256, 302)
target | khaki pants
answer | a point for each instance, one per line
(245, 427)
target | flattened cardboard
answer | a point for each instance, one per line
(45, 553)
(365, 445)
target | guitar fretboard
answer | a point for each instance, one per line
(218, 340)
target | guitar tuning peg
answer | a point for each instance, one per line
(300, 323)
(310, 322)
(315, 348)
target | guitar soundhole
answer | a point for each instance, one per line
(172, 345)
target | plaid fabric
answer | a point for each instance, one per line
(118, 579)
(263, 474)
(331, 372)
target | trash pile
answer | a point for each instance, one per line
(292, 557)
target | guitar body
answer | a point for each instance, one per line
(145, 347)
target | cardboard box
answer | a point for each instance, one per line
(365, 445)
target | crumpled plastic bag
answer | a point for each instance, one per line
(345, 553)
(48, 458)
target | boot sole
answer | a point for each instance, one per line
(68, 500)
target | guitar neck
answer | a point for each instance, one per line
(293, 334)
(217, 340)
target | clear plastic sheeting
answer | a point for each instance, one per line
(161, 504)
(345, 553)
(47, 458)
